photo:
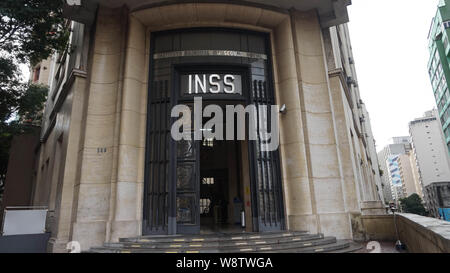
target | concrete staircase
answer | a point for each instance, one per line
(276, 242)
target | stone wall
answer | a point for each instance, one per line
(19, 176)
(424, 234)
(379, 227)
(419, 234)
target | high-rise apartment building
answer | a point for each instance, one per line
(409, 182)
(430, 150)
(438, 65)
(416, 174)
(395, 177)
(388, 160)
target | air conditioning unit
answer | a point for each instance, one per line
(360, 103)
(351, 81)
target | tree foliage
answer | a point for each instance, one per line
(30, 31)
(413, 204)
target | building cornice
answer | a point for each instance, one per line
(331, 12)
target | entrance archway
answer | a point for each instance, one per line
(173, 175)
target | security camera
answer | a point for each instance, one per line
(283, 109)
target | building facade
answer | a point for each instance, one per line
(430, 150)
(438, 199)
(395, 177)
(40, 73)
(388, 160)
(416, 174)
(110, 168)
(372, 153)
(409, 183)
(438, 65)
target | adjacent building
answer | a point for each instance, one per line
(395, 177)
(40, 72)
(430, 150)
(109, 168)
(438, 65)
(389, 162)
(416, 174)
(409, 182)
(372, 155)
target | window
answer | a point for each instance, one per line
(37, 72)
(208, 181)
(208, 142)
(446, 24)
(204, 205)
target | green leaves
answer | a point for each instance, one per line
(413, 204)
(10, 88)
(31, 103)
(32, 29)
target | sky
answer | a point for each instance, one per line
(390, 48)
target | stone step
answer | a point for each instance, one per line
(211, 237)
(237, 241)
(285, 247)
(218, 245)
(338, 245)
(266, 247)
(275, 242)
(352, 248)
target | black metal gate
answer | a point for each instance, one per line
(158, 149)
(265, 173)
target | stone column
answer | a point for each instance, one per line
(299, 192)
(128, 188)
(327, 194)
(93, 192)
